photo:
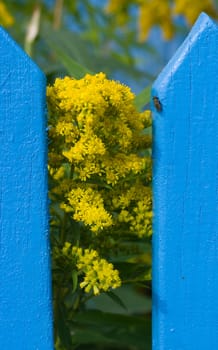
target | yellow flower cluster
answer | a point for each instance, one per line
(99, 274)
(160, 13)
(88, 207)
(96, 128)
(135, 209)
(96, 138)
(6, 20)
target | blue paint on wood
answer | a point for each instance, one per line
(185, 180)
(25, 301)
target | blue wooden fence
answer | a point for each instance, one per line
(185, 240)
(25, 303)
(185, 180)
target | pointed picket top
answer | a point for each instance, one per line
(185, 185)
(203, 33)
(7, 43)
(25, 292)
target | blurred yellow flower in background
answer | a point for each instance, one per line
(159, 13)
(6, 19)
(191, 9)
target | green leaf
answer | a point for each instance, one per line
(63, 329)
(61, 48)
(114, 329)
(143, 98)
(74, 69)
(116, 299)
(134, 300)
(75, 280)
(70, 47)
(86, 336)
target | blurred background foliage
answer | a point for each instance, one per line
(131, 41)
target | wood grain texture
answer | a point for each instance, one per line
(185, 180)
(25, 301)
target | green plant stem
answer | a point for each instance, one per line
(63, 231)
(58, 10)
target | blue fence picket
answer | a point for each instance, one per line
(185, 179)
(25, 303)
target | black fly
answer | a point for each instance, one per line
(157, 104)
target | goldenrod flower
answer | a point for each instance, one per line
(135, 207)
(95, 126)
(88, 207)
(97, 143)
(98, 274)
